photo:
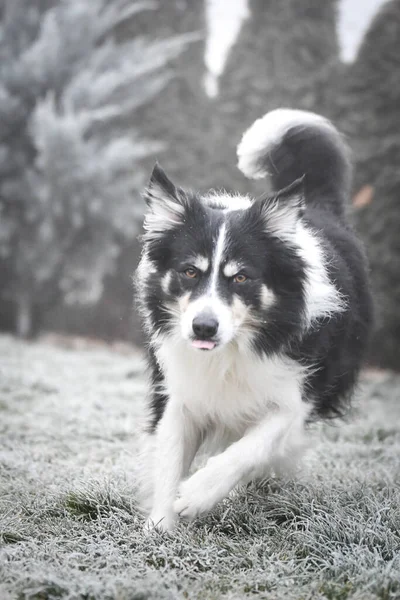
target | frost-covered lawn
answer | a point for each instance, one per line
(69, 527)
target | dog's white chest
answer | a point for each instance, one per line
(228, 388)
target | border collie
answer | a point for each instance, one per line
(256, 311)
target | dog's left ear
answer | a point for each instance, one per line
(282, 211)
(167, 203)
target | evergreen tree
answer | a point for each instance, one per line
(286, 55)
(69, 169)
(181, 117)
(181, 114)
(369, 112)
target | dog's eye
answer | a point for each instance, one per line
(191, 272)
(240, 278)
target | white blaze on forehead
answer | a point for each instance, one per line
(201, 263)
(217, 258)
(232, 268)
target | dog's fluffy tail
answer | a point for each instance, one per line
(286, 144)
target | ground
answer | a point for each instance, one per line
(70, 528)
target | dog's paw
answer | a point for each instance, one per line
(200, 493)
(160, 523)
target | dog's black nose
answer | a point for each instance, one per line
(205, 326)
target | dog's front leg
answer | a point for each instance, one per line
(246, 459)
(176, 445)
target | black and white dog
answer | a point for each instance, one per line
(257, 314)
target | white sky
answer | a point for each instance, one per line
(354, 19)
(225, 18)
(224, 21)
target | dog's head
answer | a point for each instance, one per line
(220, 269)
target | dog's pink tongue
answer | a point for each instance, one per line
(203, 344)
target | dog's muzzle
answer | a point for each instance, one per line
(205, 328)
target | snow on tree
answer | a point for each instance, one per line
(69, 159)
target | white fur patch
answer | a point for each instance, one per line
(217, 257)
(267, 296)
(165, 211)
(144, 270)
(232, 387)
(184, 301)
(281, 217)
(232, 268)
(201, 262)
(268, 132)
(322, 298)
(161, 218)
(165, 282)
(228, 202)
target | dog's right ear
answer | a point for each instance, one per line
(167, 203)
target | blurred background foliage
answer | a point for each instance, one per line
(93, 92)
